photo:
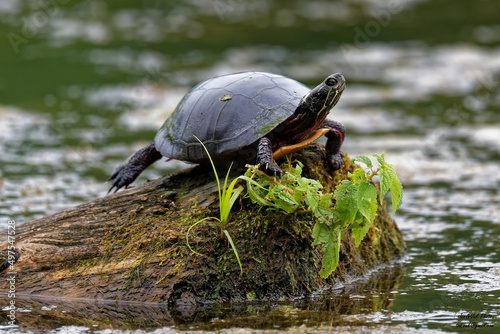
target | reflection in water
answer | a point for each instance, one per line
(337, 307)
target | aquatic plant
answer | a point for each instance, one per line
(351, 207)
(227, 197)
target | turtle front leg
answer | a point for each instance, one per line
(334, 142)
(265, 158)
(126, 173)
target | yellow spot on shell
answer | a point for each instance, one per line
(226, 98)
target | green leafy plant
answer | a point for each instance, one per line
(352, 206)
(227, 197)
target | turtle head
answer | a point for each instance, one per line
(325, 96)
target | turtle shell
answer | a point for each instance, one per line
(228, 113)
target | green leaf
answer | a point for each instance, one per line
(283, 200)
(354, 202)
(312, 199)
(389, 181)
(309, 183)
(321, 233)
(251, 181)
(346, 205)
(252, 193)
(363, 159)
(224, 188)
(358, 176)
(324, 215)
(228, 198)
(330, 242)
(331, 250)
(285, 196)
(359, 231)
(302, 187)
(298, 169)
(297, 195)
(386, 176)
(396, 193)
(380, 158)
(367, 200)
(315, 184)
(231, 201)
(325, 201)
(234, 249)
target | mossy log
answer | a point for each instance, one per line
(132, 245)
(47, 313)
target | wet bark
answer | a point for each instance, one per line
(132, 246)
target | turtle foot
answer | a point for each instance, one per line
(273, 170)
(122, 177)
(126, 173)
(336, 161)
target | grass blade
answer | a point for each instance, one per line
(253, 194)
(228, 199)
(224, 189)
(235, 195)
(224, 201)
(189, 229)
(234, 249)
(213, 166)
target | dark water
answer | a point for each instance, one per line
(83, 84)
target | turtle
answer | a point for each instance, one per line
(250, 117)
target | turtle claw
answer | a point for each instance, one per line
(126, 173)
(122, 177)
(116, 187)
(273, 170)
(336, 161)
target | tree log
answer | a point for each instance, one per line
(132, 245)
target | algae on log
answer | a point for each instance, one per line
(331, 307)
(132, 245)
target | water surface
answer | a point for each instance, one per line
(87, 83)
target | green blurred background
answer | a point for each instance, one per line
(83, 84)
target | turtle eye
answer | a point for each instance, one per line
(331, 82)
